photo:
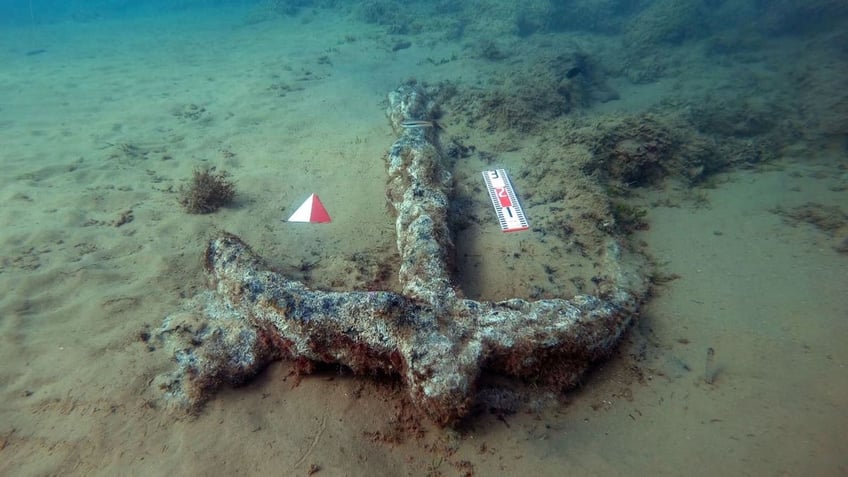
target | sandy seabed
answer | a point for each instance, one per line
(101, 129)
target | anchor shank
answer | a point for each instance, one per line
(417, 188)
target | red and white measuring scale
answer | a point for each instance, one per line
(507, 208)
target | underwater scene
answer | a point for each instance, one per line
(423, 238)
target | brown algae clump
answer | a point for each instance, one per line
(208, 192)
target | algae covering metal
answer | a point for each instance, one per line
(435, 340)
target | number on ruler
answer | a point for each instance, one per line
(503, 196)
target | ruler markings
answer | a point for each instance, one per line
(510, 215)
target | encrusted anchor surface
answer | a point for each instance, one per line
(435, 340)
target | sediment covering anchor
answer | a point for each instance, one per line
(435, 340)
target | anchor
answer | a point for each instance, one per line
(435, 340)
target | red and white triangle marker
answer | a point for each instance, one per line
(312, 210)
